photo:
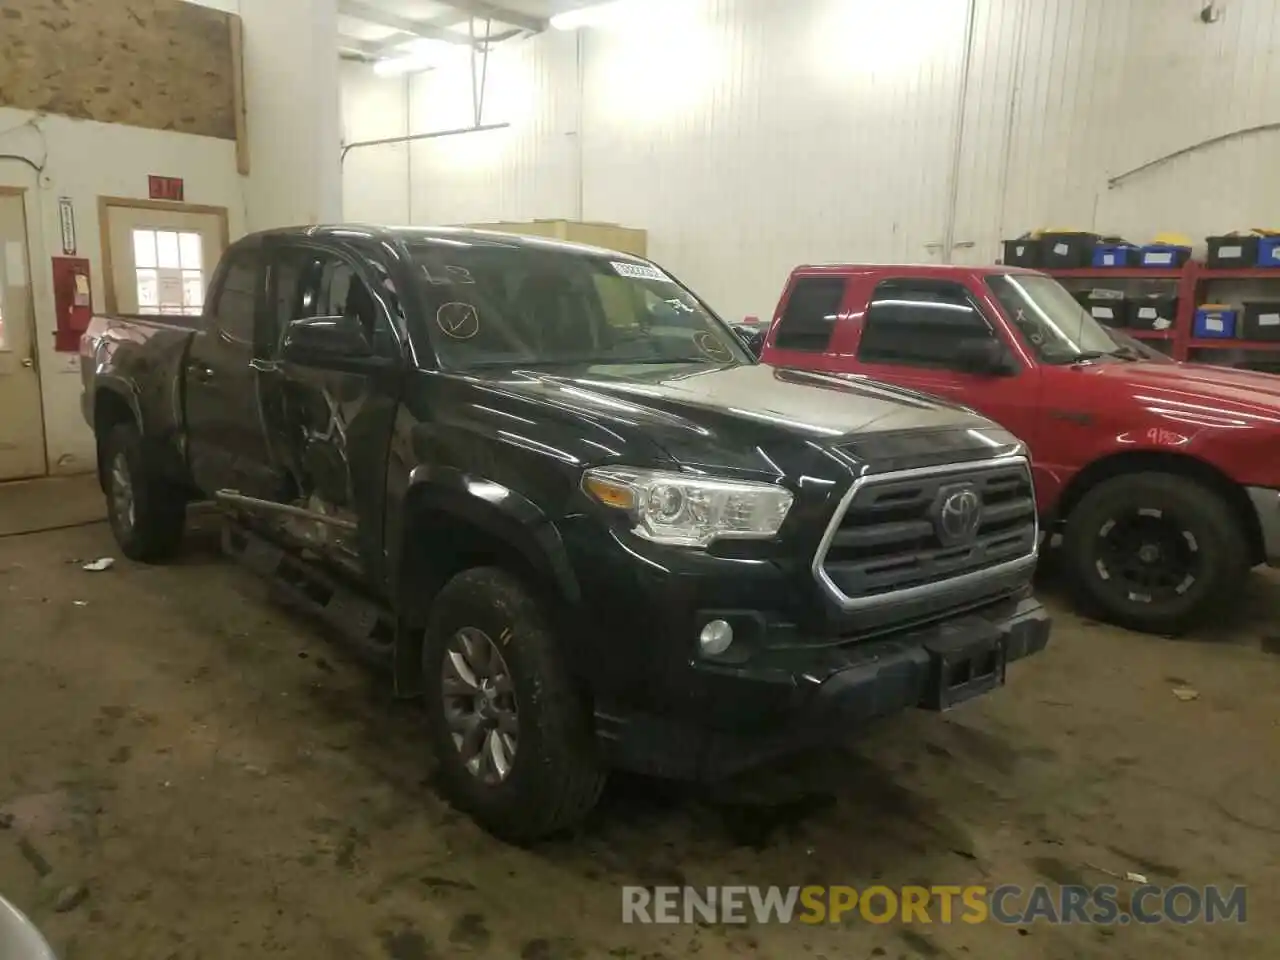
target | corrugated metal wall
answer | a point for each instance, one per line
(750, 135)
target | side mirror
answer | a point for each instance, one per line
(324, 340)
(752, 338)
(985, 357)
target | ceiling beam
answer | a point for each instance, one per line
(365, 47)
(491, 11)
(416, 28)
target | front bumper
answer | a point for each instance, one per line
(789, 699)
(1266, 504)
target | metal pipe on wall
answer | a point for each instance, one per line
(413, 137)
(957, 148)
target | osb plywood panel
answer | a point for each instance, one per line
(162, 64)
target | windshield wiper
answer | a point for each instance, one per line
(1120, 353)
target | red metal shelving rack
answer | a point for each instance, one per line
(1191, 279)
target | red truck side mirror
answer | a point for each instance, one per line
(985, 357)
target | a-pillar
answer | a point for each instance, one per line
(291, 98)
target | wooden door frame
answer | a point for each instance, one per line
(33, 327)
(104, 228)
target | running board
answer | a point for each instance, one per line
(233, 498)
(362, 622)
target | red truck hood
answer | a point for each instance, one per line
(1219, 389)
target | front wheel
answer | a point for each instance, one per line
(510, 731)
(147, 514)
(1155, 552)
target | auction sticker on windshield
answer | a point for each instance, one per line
(639, 271)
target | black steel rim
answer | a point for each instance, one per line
(1148, 555)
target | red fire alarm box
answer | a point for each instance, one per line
(72, 302)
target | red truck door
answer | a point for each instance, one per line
(922, 333)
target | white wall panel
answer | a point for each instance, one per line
(375, 180)
(750, 135)
(522, 173)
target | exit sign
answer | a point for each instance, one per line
(165, 188)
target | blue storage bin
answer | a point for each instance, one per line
(1163, 255)
(1115, 255)
(1213, 323)
(1269, 251)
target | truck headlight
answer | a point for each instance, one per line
(683, 509)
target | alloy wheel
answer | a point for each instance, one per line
(122, 491)
(480, 705)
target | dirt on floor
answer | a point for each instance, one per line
(189, 771)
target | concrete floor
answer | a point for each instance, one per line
(225, 782)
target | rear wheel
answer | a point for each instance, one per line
(147, 513)
(1155, 552)
(511, 733)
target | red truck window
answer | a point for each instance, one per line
(919, 323)
(810, 315)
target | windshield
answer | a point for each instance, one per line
(506, 304)
(1054, 325)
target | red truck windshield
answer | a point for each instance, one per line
(1054, 325)
(506, 305)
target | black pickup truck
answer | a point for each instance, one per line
(553, 491)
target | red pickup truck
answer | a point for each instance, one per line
(1163, 478)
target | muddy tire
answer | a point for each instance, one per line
(147, 513)
(1154, 552)
(510, 731)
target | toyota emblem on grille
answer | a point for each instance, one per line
(958, 514)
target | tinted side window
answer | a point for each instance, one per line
(288, 270)
(314, 284)
(810, 314)
(919, 324)
(233, 313)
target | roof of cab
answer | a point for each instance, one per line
(940, 271)
(365, 231)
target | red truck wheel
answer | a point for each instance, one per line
(1155, 552)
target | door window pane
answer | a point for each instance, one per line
(171, 291)
(144, 248)
(148, 291)
(190, 251)
(192, 290)
(919, 323)
(167, 248)
(810, 314)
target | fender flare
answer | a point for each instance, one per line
(508, 516)
(498, 510)
(118, 386)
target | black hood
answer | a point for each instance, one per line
(744, 418)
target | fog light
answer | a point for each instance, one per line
(716, 637)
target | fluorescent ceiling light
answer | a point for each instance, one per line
(419, 55)
(589, 16)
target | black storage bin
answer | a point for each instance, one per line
(1022, 253)
(1260, 320)
(1066, 251)
(1153, 313)
(1229, 252)
(1108, 311)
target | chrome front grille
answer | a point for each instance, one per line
(889, 540)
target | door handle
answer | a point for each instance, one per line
(28, 362)
(202, 373)
(265, 366)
